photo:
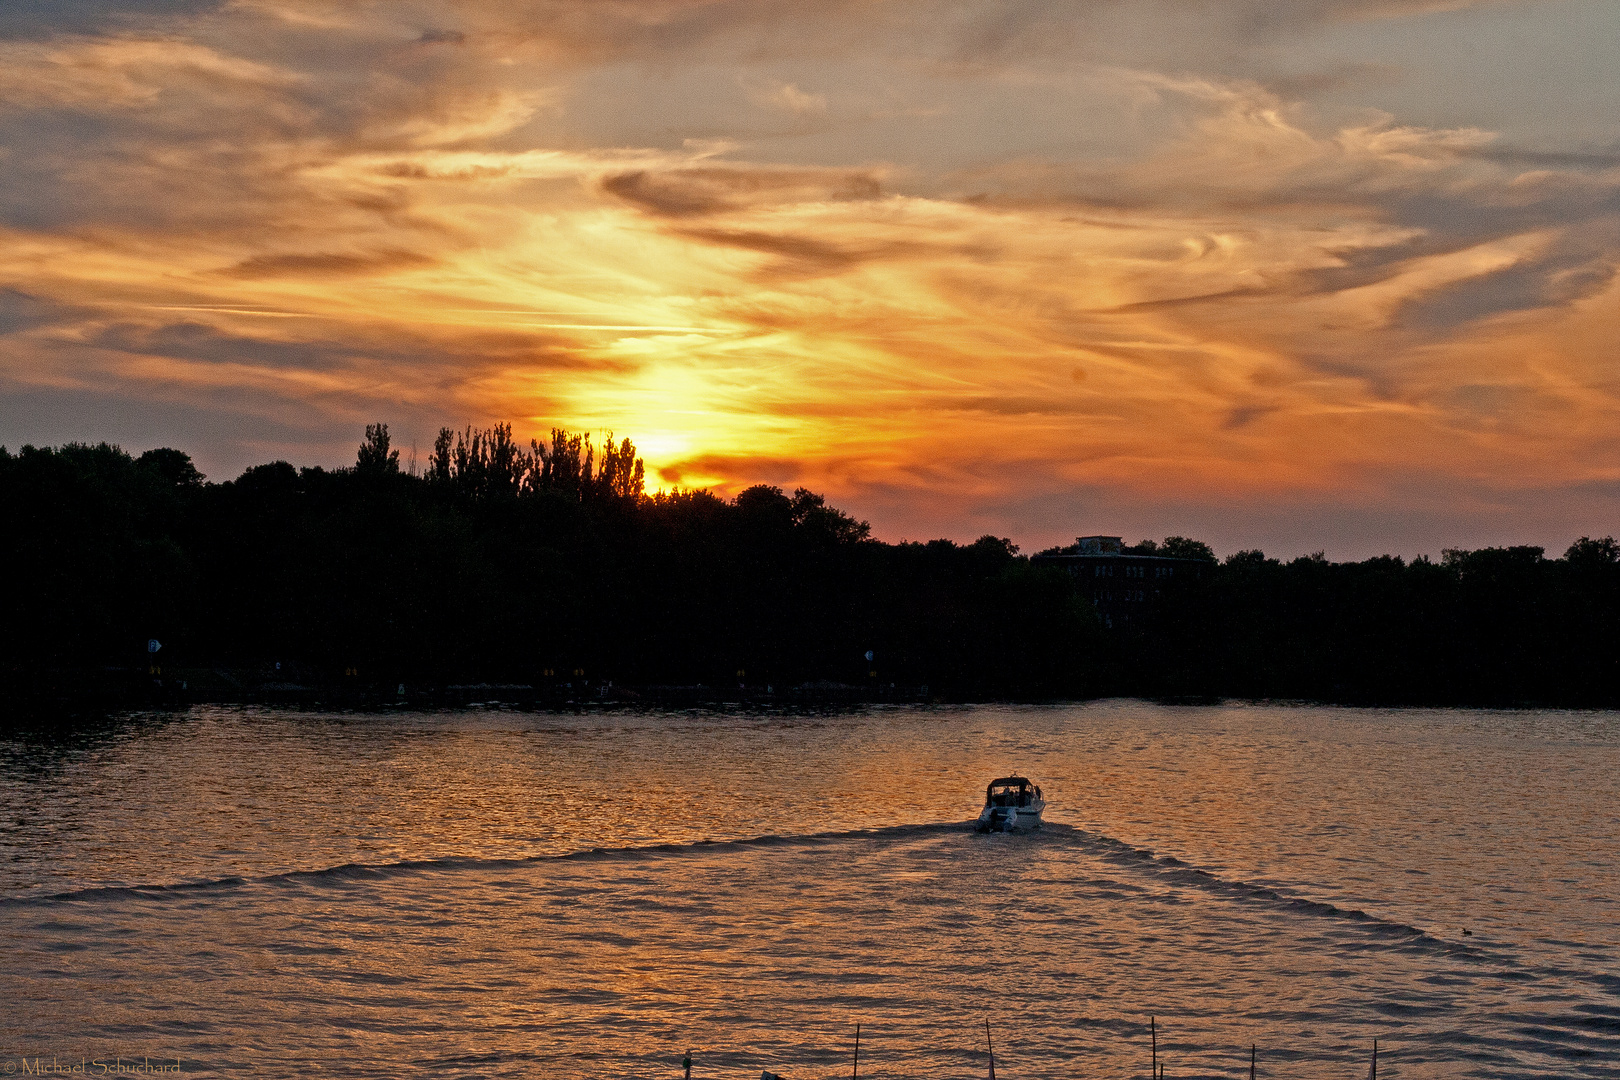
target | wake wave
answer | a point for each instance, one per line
(1165, 869)
(1173, 870)
(406, 867)
(1400, 935)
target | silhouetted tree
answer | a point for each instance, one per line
(375, 457)
(567, 464)
(622, 474)
(811, 512)
(173, 466)
(1589, 552)
(1179, 547)
(503, 561)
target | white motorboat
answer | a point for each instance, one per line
(1011, 802)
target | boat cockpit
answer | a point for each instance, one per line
(1013, 791)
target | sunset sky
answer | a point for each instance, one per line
(1295, 274)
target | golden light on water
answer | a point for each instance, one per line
(602, 891)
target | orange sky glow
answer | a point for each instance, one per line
(1329, 274)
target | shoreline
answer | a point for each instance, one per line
(66, 696)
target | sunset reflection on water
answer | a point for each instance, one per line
(498, 893)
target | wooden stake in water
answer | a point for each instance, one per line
(1153, 1032)
(686, 1063)
(857, 1070)
(1252, 1049)
(988, 1045)
(1373, 1075)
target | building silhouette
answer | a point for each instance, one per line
(1122, 584)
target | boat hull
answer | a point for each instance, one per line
(1010, 819)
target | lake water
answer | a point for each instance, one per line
(484, 893)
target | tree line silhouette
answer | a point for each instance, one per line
(500, 562)
(1495, 626)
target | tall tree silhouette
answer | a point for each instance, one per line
(375, 456)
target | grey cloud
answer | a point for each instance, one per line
(1191, 301)
(54, 181)
(805, 256)
(1362, 266)
(1242, 416)
(1487, 402)
(34, 19)
(1540, 284)
(465, 352)
(253, 88)
(1458, 201)
(797, 249)
(1336, 77)
(763, 469)
(1607, 490)
(1549, 159)
(662, 197)
(1580, 260)
(1378, 381)
(970, 34)
(689, 192)
(1498, 205)
(328, 264)
(20, 311)
(198, 341)
(1448, 214)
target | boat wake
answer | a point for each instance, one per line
(1164, 871)
(811, 925)
(351, 872)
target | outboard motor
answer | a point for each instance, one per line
(1000, 819)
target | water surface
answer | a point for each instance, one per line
(486, 892)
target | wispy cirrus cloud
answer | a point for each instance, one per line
(103, 74)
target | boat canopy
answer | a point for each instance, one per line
(1014, 791)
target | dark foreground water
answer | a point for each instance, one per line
(489, 893)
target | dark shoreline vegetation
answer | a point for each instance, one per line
(546, 569)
